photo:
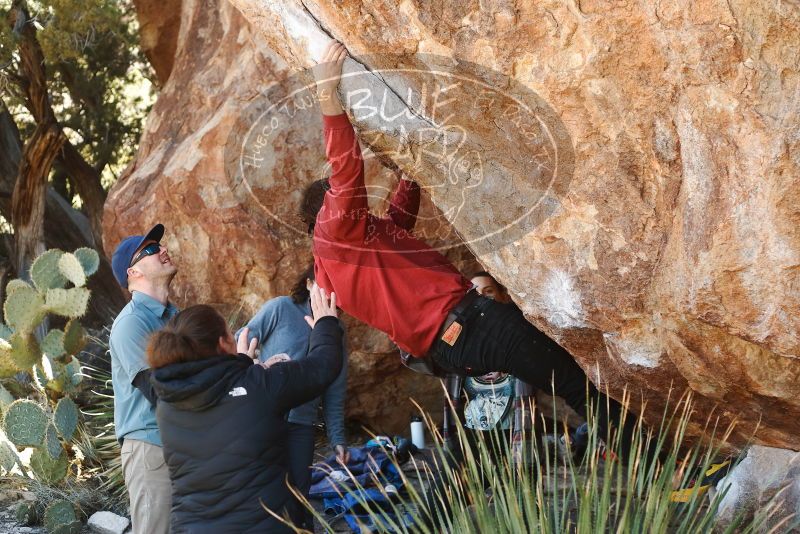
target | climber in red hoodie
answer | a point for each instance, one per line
(389, 279)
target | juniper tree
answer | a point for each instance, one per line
(66, 70)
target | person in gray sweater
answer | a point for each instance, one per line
(282, 333)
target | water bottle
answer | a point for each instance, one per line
(417, 432)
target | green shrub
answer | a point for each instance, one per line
(539, 487)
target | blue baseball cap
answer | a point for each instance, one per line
(123, 256)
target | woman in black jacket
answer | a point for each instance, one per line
(221, 417)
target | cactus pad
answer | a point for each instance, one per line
(6, 398)
(46, 469)
(8, 457)
(7, 365)
(45, 273)
(72, 373)
(89, 258)
(53, 343)
(15, 284)
(25, 423)
(51, 443)
(39, 377)
(66, 417)
(25, 351)
(24, 309)
(67, 302)
(58, 514)
(25, 514)
(74, 337)
(5, 331)
(70, 267)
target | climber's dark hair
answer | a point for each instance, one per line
(300, 292)
(193, 334)
(500, 286)
(313, 195)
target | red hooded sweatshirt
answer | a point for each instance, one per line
(381, 274)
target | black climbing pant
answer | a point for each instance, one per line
(497, 337)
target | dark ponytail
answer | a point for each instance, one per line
(299, 291)
(193, 334)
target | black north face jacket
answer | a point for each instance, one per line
(223, 429)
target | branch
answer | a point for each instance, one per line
(83, 176)
(86, 180)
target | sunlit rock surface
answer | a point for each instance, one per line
(655, 147)
(237, 239)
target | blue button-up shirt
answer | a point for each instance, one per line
(134, 416)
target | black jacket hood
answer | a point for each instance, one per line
(198, 385)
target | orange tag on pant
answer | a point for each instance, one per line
(451, 334)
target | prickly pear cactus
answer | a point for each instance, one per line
(25, 514)
(16, 284)
(50, 360)
(8, 457)
(89, 258)
(65, 418)
(51, 444)
(45, 273)
(24, 309)
(25, 423)
(60, 517)
(25, 350)
(74, 337)
(72, 269)
(48, 470)
(67, 302)
(6, 399)
(7, 365)
(53, 343)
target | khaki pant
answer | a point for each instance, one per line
(149, 489)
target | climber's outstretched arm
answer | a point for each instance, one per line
(343, 217)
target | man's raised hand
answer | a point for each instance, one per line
(327, 73)
(321, 306)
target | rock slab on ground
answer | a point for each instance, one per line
(108, 523)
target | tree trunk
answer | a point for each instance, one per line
(28, 198)
(83, 176)
(64, 227)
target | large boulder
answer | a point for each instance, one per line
(765, 484)
(238, 244)
(631, 171)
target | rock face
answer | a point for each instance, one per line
(631, 171)
(239, 243)
(766, 481)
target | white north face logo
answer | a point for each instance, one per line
(237, 392)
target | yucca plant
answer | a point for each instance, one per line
(96, 437)
(541, 487)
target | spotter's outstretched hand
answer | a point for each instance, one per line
(321, 306)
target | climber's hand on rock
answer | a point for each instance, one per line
(328, 72)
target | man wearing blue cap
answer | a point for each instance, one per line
(142, 266)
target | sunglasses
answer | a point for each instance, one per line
(149, 250)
